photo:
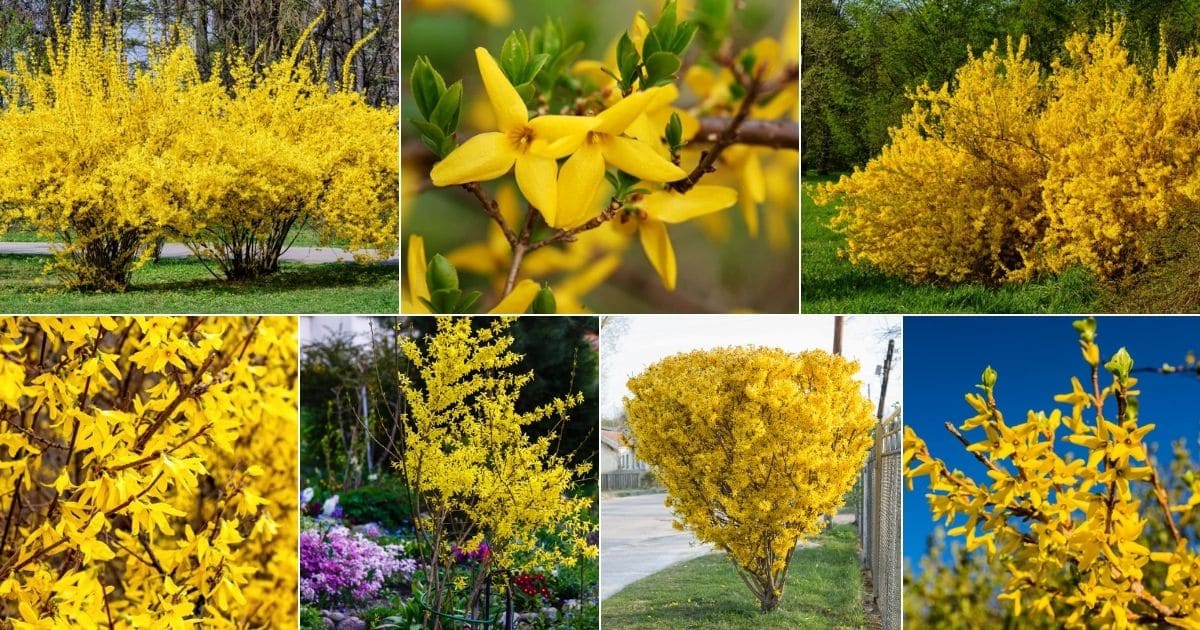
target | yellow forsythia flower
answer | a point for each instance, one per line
(149, 472)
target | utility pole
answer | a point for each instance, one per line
(837, 334)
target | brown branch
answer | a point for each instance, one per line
(1161, 495)
(776, 134)
(194, 389)
(566, 236)
(492, 209)
(519, 248)
(12, 508)
(107, 612)
(756, 88)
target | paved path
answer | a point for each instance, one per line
(637, 540)
(308, 255)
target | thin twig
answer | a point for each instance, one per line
(492, 208)
(520, 247)
(566, 236)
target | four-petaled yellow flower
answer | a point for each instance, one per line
(519, 140)
(603, 142)
(658, 208)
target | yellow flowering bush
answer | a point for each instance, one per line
(476, 475)
(599, 152)
(1071, 531)
(1014, 169)
(754, 446)
(107, 156)
(148, 472)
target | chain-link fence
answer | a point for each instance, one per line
(878, 518)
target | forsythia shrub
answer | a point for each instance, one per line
(280, 150)
(80, 145)
(1071, 531)
(148, 472)
(1012, 170)
(956, 194)
(107, 156)
(753, 445)
(476, 474)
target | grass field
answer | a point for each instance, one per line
(182, 286)
(830, 284)
(824, 590)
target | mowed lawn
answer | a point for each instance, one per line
(182, 286)
(830, 284)
(824, 590)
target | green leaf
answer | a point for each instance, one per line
(683, 37)
(548, 38)
(427, 86)
(441, 274)
(525, 90)
(736, 90)
(427, 129)
(1120, 364)
(1086, 328)
(627, 59)
(514, 55)
(467, 301)
(989, 377)
(665, 29)
(612, 179)
(446, 114)
(544, 303)
(534, 66)
(748, 61)
(674, 132)
(661, 68)
(443, 300)
(651, 44)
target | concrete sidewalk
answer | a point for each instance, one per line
(637, 540)
(306, 255)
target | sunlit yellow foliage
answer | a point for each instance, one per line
(477, 474)
(80, 149)
(148, 472)
(279, 150)
(1013, 169)
(956, 194)
(108, 155)
(1052, 514)
(754, 445)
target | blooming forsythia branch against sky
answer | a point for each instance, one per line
(754, 445)
(106, 156)
(1068, 500)
(600, 151)
(1009, 171)
(148, 471)
(478, 476)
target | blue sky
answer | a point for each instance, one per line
(1035, 358)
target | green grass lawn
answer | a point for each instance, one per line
(824, 590)
(184, 286)
(830, 284)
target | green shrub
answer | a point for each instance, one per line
(310, 618)
(385, 503)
